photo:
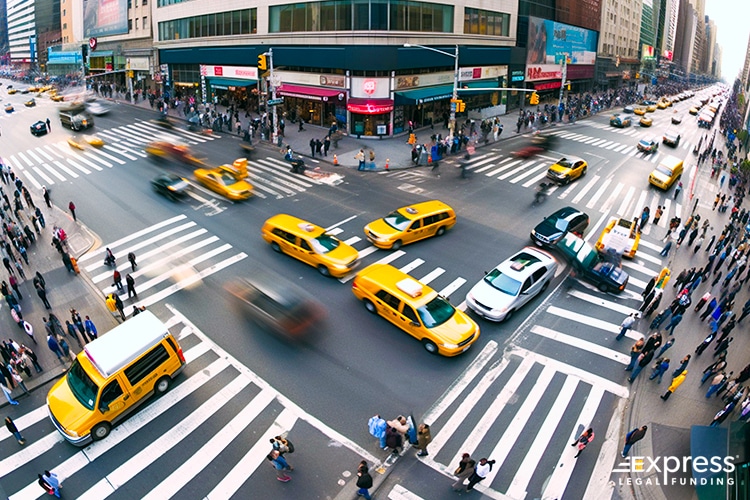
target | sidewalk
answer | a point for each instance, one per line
(64, 292)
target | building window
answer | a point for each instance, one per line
(64, 12)
(130, 24)
(65, 26)
(144, 2)
(238, 22)
(136, 23)
(486, 22)
(145, 22)
(361, 15)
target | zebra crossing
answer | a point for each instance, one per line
(218, 415)
(629, 148)
(172, 254)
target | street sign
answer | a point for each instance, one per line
(274, 102)
(276, 80)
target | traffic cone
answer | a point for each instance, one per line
(74, 263)
(429, 158)
(335, 160)
(387, 161)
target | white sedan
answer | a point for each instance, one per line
(512, 284)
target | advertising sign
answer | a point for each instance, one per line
(550, 43)
(370, 87)
(105, 17)
(240, 72)
(63, 57)
(647, 52)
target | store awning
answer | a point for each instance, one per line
(369, 106)
(427, 94)
(313, 93)
(225, 83)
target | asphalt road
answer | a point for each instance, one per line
(360, 364)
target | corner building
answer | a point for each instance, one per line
(344, 60)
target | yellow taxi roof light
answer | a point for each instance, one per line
(305, 226)
(410, 287)
(411, 210)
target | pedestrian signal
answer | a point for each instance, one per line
(534, 99)
(460, 106)
(262, 62)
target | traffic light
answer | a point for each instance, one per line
(461, 106)
(637, 76)
(262, 62)
(534, 99)
(568, 86)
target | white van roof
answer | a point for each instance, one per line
(670, 162)
(124, 343)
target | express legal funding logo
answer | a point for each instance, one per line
(674, 470)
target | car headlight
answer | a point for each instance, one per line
(450, 346)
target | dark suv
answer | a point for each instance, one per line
(551, 230)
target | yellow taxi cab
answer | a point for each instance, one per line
(693, 110)
(621, 236)
(646, 121)
(33, 88)
(666, 173)
(662, 104)
(411, 223)
(311, 244)
(227, 180)
(95, 141)
(567, 170)
(112, 376)
(651, 108)
(415, 308)
(12, 91)
(58, 98)
(31, 102)
(640, 110)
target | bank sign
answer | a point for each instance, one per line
(240, 72)
(551, 43)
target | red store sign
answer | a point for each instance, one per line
(369, 106)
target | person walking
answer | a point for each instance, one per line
(31, 355)
(360, 157)
(11, 426)
(41, 292)
(635, 351)
(7, 391)
(633, 437)
(90, 328)
(29, 330)
(716, 383)
(464, 470)
(423, 439)
(54, 347)
(643, 361)
(364, 480)
(583, 440)
(626, 325)
(133, 263)
(49, 125)
(661, 366)
(281, 465)
(14, 285)
(377, 427)
(45, 195)
(658, 214)
(676, 382)
(117, 278)
(673, 324)
(50, 483)
(72, 208)
(481, 471)
(745, 311)
(131, 286)
(666, 346)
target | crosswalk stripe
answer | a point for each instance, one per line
(44, 176)
(211, 449)
(490, 163)
(620, 148)
(280, 167)
(135, 133)
(16, 163)
(64, 169)
(650, 245)
(173, 133)
(516, 170)
(538, 447)
(44, 153)
(166, 441)
(535, 179)
(628, 150)
(154, 227)
(260, 183)
(411, 266)
(452, 287)
(33, 156)
(353, 240)
(589, 347)
(637, 208)
(626, 201)
(528, 172)
(28, 453)
(113, 158)
(32, 179)
(605, 144)
(433, 275)
(470, 401)
(600, 302)
(297, 183)
(121, 152)
(128, 427)
(24, 422)
(96, 158)
(79, 167)
(560, 478)
(504, 167)
(26, 160)
(602, 189)
(612, 198)
(591, 139)
(637, 267)
(233, 481)
(156, 133)
(87, 162)
(583, 319)
(586, 189)
(613, 145)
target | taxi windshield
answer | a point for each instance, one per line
(565, 163)
(436, 312)
(397, 221)
(325, 243)
(664, 170)
(81, 385)
(503, 282)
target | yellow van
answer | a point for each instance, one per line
(415, 308)
(310, 244)
(112, 376)
(666, 173)
(409, 224)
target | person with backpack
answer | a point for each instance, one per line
(583, 440)
(364, 480)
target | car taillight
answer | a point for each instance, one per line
(354, 284)
(181, 355)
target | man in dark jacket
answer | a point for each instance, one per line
(633, 437)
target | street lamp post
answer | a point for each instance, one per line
(452, 123)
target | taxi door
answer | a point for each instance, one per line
(415, 232)
(114, 400)
(306, 253)
(388, 307)
(410, 322)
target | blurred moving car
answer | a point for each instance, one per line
(172, 186)
(9, 108)
(93, 140)
(693, 110)
(588, 264)
(647, 145)
(98, 108)
(651, 108)
(513, 283)
(640, 111)
(628, 109)
(411, 223)
(310, 244)
(677, 119)
(12, 91)
(228, 181)
(646, 121)
(567, 170)
(620, 121)
(555, 226)
(620, 236)
(278, 306)
(671, 138)
(666, 173)
(57, 97)
(39, 128)
(30, 103)
(172, 150)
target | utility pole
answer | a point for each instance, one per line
(274, 135)
(562, 81)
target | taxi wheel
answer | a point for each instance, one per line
(440, 231)
(370, 306)
(324, 270)
(430, 346)
(276, 247)
(100, 431)
(396, 245)
(162, 385)
(583, 172)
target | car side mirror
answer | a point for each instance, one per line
(415, 323)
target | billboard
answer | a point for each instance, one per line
(647, 52)
(105, 17)
(550, 43)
